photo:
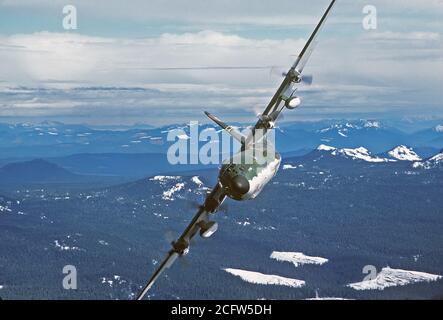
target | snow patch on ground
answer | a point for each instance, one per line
(112, 281)
(197, 181)
(64, 247)
(267, 279)
(164, 178)
(372, 124)
(103, 242)
(392, 278)
(5, 209)
(167, 195)
(297, 258)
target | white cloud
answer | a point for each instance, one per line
(73, 57)
(401, 36)
(365, 72)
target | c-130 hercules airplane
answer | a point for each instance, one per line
(239, 180)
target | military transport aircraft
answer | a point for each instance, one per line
(243, 180)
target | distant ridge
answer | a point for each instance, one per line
(37, 170)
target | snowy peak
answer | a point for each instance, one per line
(343, 129)
(432, 162)
(438, 158)
(324, 147)
(359, 153)
(371, 124)
(404, 153)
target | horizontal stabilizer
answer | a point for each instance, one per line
(229, 129)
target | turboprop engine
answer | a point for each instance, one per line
(293, 102)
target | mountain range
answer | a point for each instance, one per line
(349, 194)
(54, 139)
(348, 206)
(109, 167)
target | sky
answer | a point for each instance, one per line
(161, 62)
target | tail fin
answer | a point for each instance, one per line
(231, 130)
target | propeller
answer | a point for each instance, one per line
(307, 79)
(280, 72)
(194, 205)
(172, 236)
(258, 109)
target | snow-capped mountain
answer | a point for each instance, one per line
(404, 153)
(398, 154)
(359, 153)
(343, 129)
(432, 162)
(323, 202)
(54, 139)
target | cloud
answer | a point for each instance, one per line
(46, 56)
(402, 36)
(111, 79)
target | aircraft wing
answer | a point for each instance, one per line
(293, 76)
(200, 223)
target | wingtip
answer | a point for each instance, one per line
(210, 116)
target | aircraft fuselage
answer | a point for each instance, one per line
(245, 180)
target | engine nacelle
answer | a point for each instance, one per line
(208, 229)
(293, 102)
(180, 246)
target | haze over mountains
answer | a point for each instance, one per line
(54, 139)
(135, 152)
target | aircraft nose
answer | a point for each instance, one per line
(239, 186)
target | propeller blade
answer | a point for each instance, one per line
(183, 262)
(224, 208)
(277, 72)
(192, 204)
(170, 236)
(281, 73)
(307, 79)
